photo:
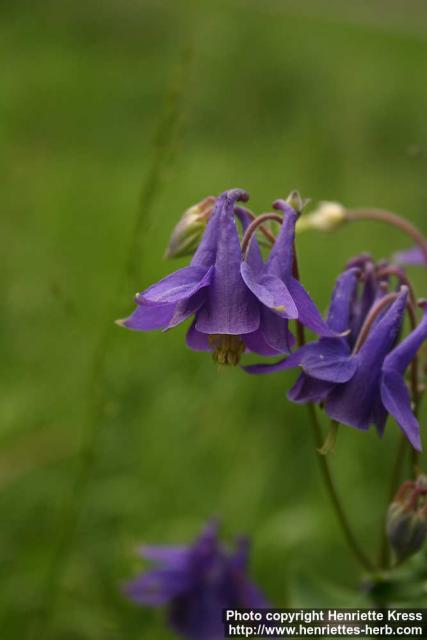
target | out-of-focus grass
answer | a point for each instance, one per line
(279, 97)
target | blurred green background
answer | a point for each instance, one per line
(115, 117)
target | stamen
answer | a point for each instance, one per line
(228, 349)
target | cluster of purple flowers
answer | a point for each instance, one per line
(358, 374)
(241, 302)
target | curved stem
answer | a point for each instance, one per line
(255, 224)
(324, 463)
(270, 237)
(393, 219)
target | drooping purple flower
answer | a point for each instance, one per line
(196, 583)
(412, 256)
(358, 376)
(237, 305)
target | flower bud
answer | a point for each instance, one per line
(187, 234)
(407, 518)
(327, 217)
(296, 201)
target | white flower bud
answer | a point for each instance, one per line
(327, 217)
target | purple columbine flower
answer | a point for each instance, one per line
(412, 256)
(196, 583)
(358, 376)
(238, 304)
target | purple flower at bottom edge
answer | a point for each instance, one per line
(412, 256)
(238, 305)
(359, 388)
(196, 583)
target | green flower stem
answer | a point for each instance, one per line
(359, 554)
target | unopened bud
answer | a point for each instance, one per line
(407, 518)
(327, 217)
(296, 201)
(188, 232)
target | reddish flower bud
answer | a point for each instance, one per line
(407, 518)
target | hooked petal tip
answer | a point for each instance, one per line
(237, 194)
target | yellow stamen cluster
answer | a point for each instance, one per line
(227, 349)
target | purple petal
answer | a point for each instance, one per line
(187, 308)
(396, 399)
(400, 358)
(157, 587)
(353, 403)
(327, 359)
(178, 285)
(308, 314)
(270, 291)
(196, 340)
(308, 389)
(239, 559)
(281, 257)
(205, 549)
(276, 331)
(379, 415)
(259, 369)
(251, 597)
(256, 343)
(206, 251)
(342, 297)
(412, 256)
(394, 392)
(172, 557)
(148, 316)
(248, 595)
(230, 308)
